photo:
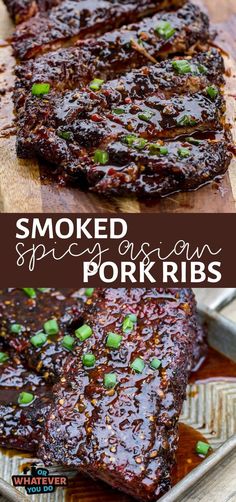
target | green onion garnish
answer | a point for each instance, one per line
(43, 290)
(184, 152)
(130, 139)
(38, 340)
(113, 341)
(64, 135)
(3, 357)
(193, 141)
(68, 342)
(83, 332)
(110, 380)
(140, 143)
(165, 30)
(212, 91)
(187, 120)
(96, 84)
(127, 325)
(100, 157)
(146, 116)
(202, 69)
(155, 363)
(25, 398)
(182, 66)
(40, 89)
(118, 111)
(16, 328)
(30, 292)
(138, 365)
(88, 360)
(156, 149)
(89, 291)
(51, 327)
(202, 448)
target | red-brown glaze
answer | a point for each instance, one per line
(216, 366)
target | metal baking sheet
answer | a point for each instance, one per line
(209, 408)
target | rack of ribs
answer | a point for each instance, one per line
(115, 416)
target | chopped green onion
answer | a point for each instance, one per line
(89, 291)
(202, 69)
(187, 120)
(132, 317)
(138, 365)
(113, 341)
(130, 139)
(101, 157)
(165, 30)
(184, 152)
(193, 141)
(38, 340)
(51, 327)
(202, 448)
(43, 290)
(88, 360)
(140, 143)
(118, 111)
(127, 325)
(146, 116)
(182, 66)
(64, 135)
(30, 292)
(16, 328)
(156, 149)
(68, 342)
(110, 380)
(40, 89)
(96, 84)
(25, 398)
(83, 332)
(3, 357)
(140, 41)
(155, 363)
(212, 91)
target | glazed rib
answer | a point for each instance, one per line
(127, 435)
(21, 426)
(16, 308)
(186, 166)
(144, 106)
(21, 10)
(71, 20)
(114, 53)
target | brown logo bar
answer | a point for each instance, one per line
(121, 250)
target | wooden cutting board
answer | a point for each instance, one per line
(23, 190)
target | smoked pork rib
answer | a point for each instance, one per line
(126, 435)
(16, 308)
(131, 120)
(115, 52)
(72, 19)
(21, 426)
(21, 10)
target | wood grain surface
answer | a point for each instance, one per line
(21, 185)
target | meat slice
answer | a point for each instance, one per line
(185, 165)
(21, 425)
(116, 52)
(21, 10)
(125, 432)
(72, 19)
(16, 308)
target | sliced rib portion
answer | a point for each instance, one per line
(125, 434)
(21, 425)
(115, 52)
(73, 19)
(162, 168)
(31, 314)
